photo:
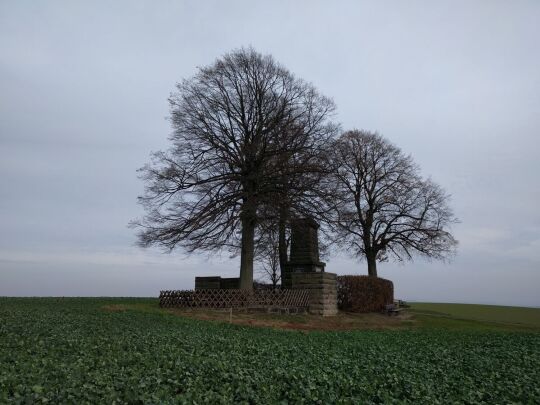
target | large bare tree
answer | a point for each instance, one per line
(233, 123)
(384, 207)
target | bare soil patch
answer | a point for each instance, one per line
(114, 308)
(304, 322)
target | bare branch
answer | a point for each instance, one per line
(385, 208)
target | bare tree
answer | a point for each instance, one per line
(385, 209)
(233, 121)
(302, 178)
(267, 253)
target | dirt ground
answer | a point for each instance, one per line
(305, 322)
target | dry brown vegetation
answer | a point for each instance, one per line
(306, 322)
(114, 308)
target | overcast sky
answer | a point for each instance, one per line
(83, 102)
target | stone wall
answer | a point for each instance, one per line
(216, 282)
(207, 283)
(323, 291)
(230, 283)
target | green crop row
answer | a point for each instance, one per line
(74, 351)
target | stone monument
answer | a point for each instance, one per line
(304, 257)
(305, 270)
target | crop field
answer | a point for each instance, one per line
(90, 350)
(488, 313)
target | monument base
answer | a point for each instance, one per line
(322, 291)
(300, 267)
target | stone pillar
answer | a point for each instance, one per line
(322, 291)
(304, 250)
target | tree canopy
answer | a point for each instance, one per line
(384, 208)
(253, 147)
(244, 133)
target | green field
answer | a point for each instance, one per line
(129, 351)
(507, 316)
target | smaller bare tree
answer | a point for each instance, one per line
(267, 251)
(384, 207)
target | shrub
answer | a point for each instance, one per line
(364, 293)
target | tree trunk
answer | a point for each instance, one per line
(247, 252)
(372, 264)
(274, 280)
(282, 241)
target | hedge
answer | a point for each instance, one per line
(364, 293)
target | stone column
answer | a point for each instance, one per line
(304, 250)
(322, 291)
